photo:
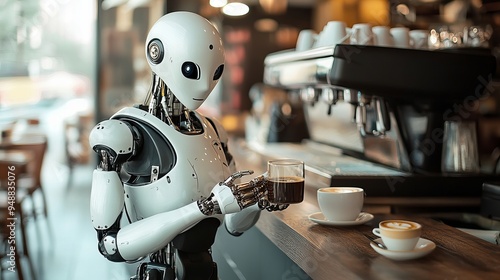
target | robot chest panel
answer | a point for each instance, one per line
(200, 163)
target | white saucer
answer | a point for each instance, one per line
(423, 247)
(319, 218)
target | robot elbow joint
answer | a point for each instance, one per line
(109, 248)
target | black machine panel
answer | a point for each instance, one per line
(441, 76)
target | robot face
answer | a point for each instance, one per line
(185, 51)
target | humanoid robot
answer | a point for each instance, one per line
(167, 167)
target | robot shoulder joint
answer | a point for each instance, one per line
(114, 136)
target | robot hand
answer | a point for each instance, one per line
(228, 197)
(265, 204)
(253, 192)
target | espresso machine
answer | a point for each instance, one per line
(377, 117)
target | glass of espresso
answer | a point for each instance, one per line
(285, 181)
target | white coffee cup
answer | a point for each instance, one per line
(382, 36)
(399, 235)
(333, 33)
(340, 203)
(401, 36)
(306, 40)
(361, 34)
(419, 39)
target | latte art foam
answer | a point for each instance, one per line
(400, 225)
(341, 190)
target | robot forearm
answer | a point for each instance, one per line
(139, 238)
(106, 206)
(151, 234)
(237, 223)
(106, 199)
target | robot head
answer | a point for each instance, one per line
(185, 51)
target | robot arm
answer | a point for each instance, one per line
(114, 142)
(106, 206)
(140, 238)
(153, 233)
(240, 201)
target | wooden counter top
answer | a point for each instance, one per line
(326, 252)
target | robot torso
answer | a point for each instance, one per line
(171, 169)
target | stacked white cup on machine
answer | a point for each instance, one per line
(336, 32)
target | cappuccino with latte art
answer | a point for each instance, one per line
(399, 235)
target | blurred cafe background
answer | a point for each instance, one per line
(66, 65)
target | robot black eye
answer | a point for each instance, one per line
(218, 72)
(190, 70)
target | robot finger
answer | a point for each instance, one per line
(236, 175)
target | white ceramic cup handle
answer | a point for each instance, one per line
(367, 39)
(376, 231)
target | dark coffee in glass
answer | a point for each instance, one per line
(285, 181)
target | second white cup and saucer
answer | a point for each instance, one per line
(319, 218)
(340, 206)
(402, 240)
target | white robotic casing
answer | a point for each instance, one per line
(192, 32)
(106, 202)
(200, 164)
